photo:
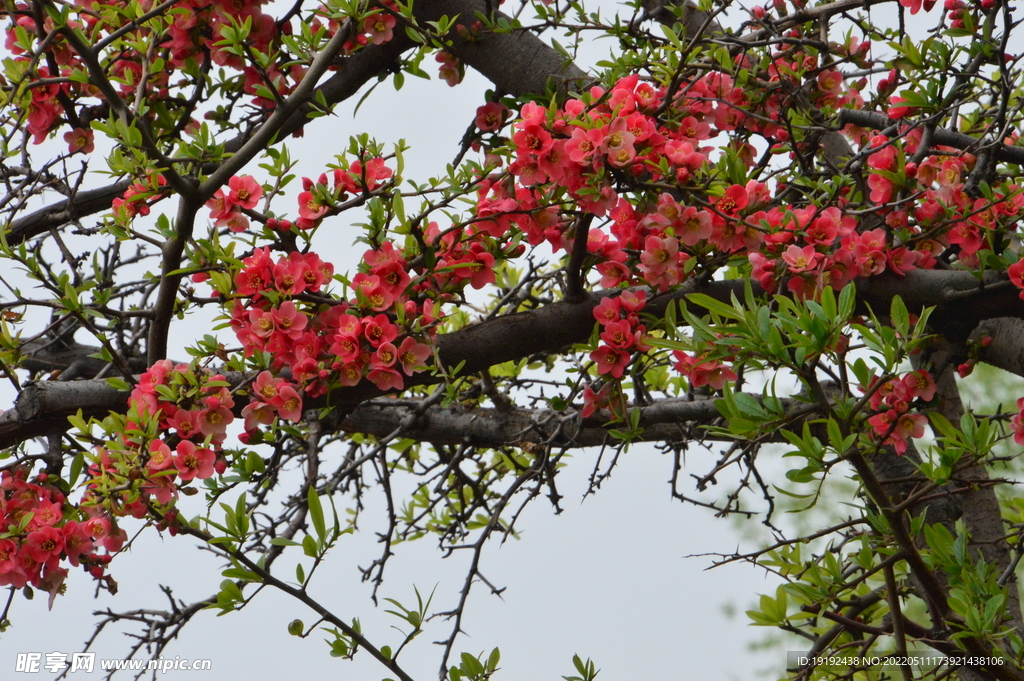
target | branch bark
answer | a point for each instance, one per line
(962, 303)
(940, 136)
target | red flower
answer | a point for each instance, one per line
(80, 139)
(193, 462)
(379, 26)
(490, 116)
(44, 543)
(413, 355)
(245, 191)
(610, 360)
(1016, 272)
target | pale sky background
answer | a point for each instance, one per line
(607, 579)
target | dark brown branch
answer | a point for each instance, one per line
(575, 291)
(552, 329)
(941, 136)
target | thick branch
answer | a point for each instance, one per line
(940, 136)
(1005, 347)
(962, 302)
(664, 421)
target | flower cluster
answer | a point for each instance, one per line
(176, 425)
(701, 370)
(174, 432)
(892, 399)
(1017, 423)
(39, 531)
(343, 342)
(319, 199)
(621, 332)
(137, 199)
(226, 208)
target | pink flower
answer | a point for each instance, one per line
(882, 422)
(76, 541)
(734, 200)
(712, 373)
(803, 259)
(1017, 424)
(44, 543)
(159, 455)
(310, 207)
(385, 356)
(288, 403)
(618, 335)
(658, 254)
(193, 462)
(693, 226)
(633, 300)
(920, 384)
(266, 386)
(8, 557)
(349, 373)
(346, 347)
(379, 329)
(1016, 273)
(386, 379)
(830, 82)
(185, 423)
(608, 310)
(46, 514)
(380, 26)
(289, 320)
(533, 139)
(80, 139)
(490, 116)
(610, 361)
(244, 192)
(897, 108)
(915, 6)
(450, 71)
(881, 188)
(582, 145)
(215, 421)
(413, 355)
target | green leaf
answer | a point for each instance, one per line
(281, 541)
(316, 513)
(714, 306)
(899, 315)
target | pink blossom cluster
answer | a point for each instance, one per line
(621, 332)
(226, 208)
(137, 199)
(956, 8)
(192, 410)
(318, 199)
(609, 139)
(192, 34)
(892, 400)
(608, 397)
(701, 371)
(1017, 423)
(377, 26)
(344, 342)
(39, 531)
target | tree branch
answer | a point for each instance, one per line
(940, 136)
(551, 329)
